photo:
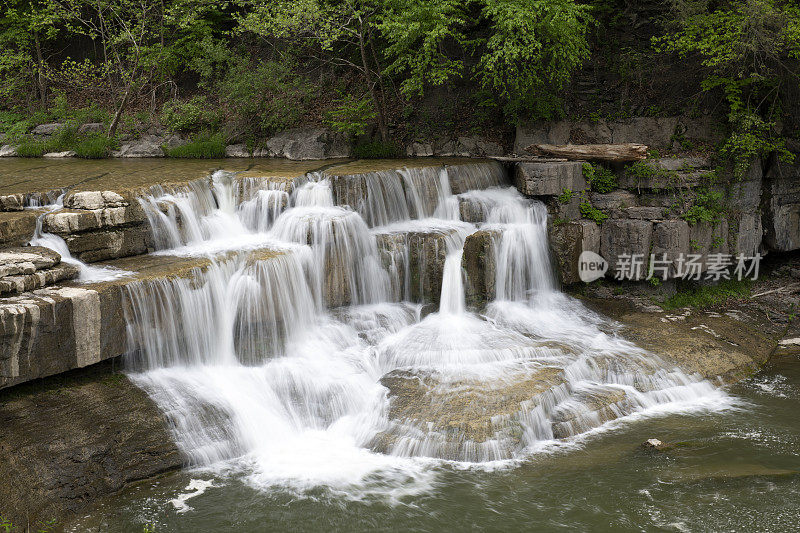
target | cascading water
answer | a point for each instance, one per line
(257, 375)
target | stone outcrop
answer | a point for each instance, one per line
(236, 150)
(306, 144)
(620, 236)
(149, 145)
(479, 265)
(32, 267)
(100, 225)
(464, 146)
(568, 241)
(70, 440)
(92, 127)
(782, 207)
(549, 178)
(60, 155)
(666, 173)
(47, 129)
(16, 228)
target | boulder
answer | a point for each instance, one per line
(419, 149)
(60, 155)
(47, 129)
(12, 202)
(7, 150)
(626, 237)
(94, 200)
(307, 144)
(16, 228)
(236, 150)
(92, 127)
(549, 178)
(568, 241)
(146, 146)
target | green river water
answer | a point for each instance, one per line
(732, 470)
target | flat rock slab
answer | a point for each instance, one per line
(68, 440)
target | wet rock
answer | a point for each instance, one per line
(47, 129)
(7, 150)
(479, 265)
(568, 241)
(68, 221)
(92, 127)
(31, 267)
(415, 261)
(652, 444)
(12, 202)
(542, 179)
(621, 236)
(71, 440)
(236, 150)
(461, 420)
(307, 144)
(471, 176)
(60, 155)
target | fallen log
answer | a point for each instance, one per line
(609, 153)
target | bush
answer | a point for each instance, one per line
(191, 116)
(707, 207)
(96, 146)
(377, 150)
(590, 212)
(352, 115)
(264, 98)
(600, 178)
(204, 147)
(701, 296)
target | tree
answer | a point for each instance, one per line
(749, 49)
(342, 31)
(524, 51)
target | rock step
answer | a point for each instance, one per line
(32, 267)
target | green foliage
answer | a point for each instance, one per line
(747, 48)
(707, 207)
(600, 178)
(264, 98)
(701, 296)
(202, 147)
(590, 212)
(566, 196)
(95, 146)
(525, 57)
(190, 116)
(62, 140)
(351, 115)
(376, 150)
(6, 525)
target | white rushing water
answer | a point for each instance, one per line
(258, 374)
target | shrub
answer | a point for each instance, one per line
(600, 178)
(64, 139)
(590, 212)
(377, 150)
(566, 196)
(96, 146)
(203, 147)
(707, 207)
(191, 116)
(351, 115)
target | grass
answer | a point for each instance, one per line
(88, 146)
(205, 147)
(95, 146)
(701, 296)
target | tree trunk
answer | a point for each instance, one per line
(41, 79)
(112, 129)
(610, 153)
(373, 93)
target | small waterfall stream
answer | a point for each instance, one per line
(301, 357)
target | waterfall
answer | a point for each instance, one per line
(299, 352)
